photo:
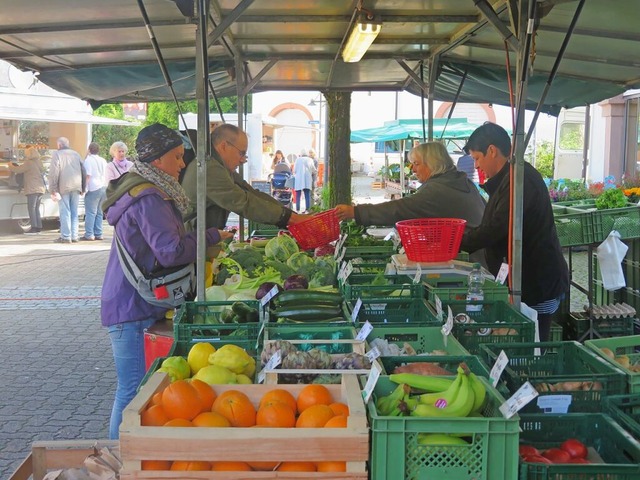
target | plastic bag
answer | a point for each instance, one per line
(610, 254)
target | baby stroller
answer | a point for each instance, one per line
(279, 189)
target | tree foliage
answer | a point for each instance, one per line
(544, 158)
(106, 135)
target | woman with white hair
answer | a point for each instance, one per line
(33, 188)
(119, 165)
(303, 171)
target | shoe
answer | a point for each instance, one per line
(32, 232)
(74, 240)
(85, 239)
(62, 240)
(99, 238)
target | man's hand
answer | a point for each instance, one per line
(297, 218)
(345, 212)
(225, 235)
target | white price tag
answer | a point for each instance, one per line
(348, 269)
(396, 240)
(262, 325)
(274, 361)
(389, 236)
(364, 331)
(356, 310)
(270, 294)
(338, 246)
(502, 273)
(448, 325)
(555, 403)
(439, 311)
(496, 371)
(418, 276)
(341, 255)
(373, 354)
(372, 379)
(524, 395)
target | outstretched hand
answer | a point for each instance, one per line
(345, 212)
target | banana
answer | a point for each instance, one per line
(460, 407)
(440, 439)
(387, 404)
(408, 404)
(422, 382)
(479, 391)
(447, 396)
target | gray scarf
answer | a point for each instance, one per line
(165, 182)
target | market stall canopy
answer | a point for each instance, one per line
(40, 115)
(100, 51)
(455, 128)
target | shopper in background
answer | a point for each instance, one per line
(95, 169)
(278, 158)
(227, 191)
(119, 165)
(444, 193)
(66, 183)
(303, 171)
(145, 207)
(545, 275)
(466, 164)
(34, 187)
(314, 176)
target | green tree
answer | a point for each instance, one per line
(544, 158)
(33, 133)
(106, 135)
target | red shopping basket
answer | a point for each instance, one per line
(317, 231)
(431, 239)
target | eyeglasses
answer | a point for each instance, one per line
(243, 153)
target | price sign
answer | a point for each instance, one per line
(364, 331)
(524, 395)
(341, 255)
(448, 325)
(555, 403)
(389, 236)
(348, 270)
(496, 371)
(418, 276)
(373, 354)
(502, 273)
(439, 311)
(270, 294)
(372, 379)
(356, 310)
(274, 361)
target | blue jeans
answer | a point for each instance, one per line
(127, 343)
(68, 206)
(33, 205)
(93, 213)
(307, 198)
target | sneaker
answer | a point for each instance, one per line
(32, 232)
(99, 238)
(87, 239)
(74, 240)
(62, 240)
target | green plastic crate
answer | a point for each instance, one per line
(558, 362)
(368, 267)
(422, 339)
(625, 409)
(625, 221)
(262, 227)
(392, 311)
(619, 450)
(629, 346)
(513, 327)
(555, 332)
(380, 252)
(449, 288)
(195, 321)
(396, 454)
(577, 326)
(331, 338)
(358, 286)
(573, 227)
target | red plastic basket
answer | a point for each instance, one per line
(319, 230)
(431, 239)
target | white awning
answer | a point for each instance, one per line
(43, 115)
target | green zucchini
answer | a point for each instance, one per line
(309, 296)
(306, 313)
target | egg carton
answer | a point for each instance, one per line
(617, 310)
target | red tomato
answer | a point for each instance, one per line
(556, 455)
(579, 460)
(524, 450)
(536, 459)
(575, 448)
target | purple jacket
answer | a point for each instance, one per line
(150, 228)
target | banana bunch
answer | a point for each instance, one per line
(461, 397)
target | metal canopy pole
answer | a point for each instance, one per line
(455, 102)
(241, 100)
(433, 75)
(202, 83)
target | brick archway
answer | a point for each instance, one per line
(491, 115)
(295, 106)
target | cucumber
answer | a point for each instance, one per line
(309, 296)
(302, 313)
(300, 302)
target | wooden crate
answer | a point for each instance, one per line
(57, 455)
(350, 444)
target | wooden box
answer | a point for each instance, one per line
(350, 444)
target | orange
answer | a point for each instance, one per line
(236, 407)
(230, 467)
(315, 416)
(154, 416)
(211, 419)
(181, 400)
(190, 465)
(280, 395)
(276, 414)
(340, 408)
(178, 422)
(297, 467)
(313, 395)
(332, 466)
(339, 421)
(156, 464)
(156, 399)
(206, 392)
(266, 466)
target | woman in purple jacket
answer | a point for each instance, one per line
(145, 207)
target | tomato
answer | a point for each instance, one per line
(524, 450)
(556, 455)
(575, 448)
(536, 459)
(579, 460)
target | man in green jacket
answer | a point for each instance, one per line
(226, 189)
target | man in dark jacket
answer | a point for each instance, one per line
(545, 276)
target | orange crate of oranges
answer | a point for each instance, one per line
(263, 431)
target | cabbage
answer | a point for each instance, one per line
(281, 248)
(300, 262)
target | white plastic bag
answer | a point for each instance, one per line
(610, 255)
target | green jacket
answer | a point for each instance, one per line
(228, 192)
